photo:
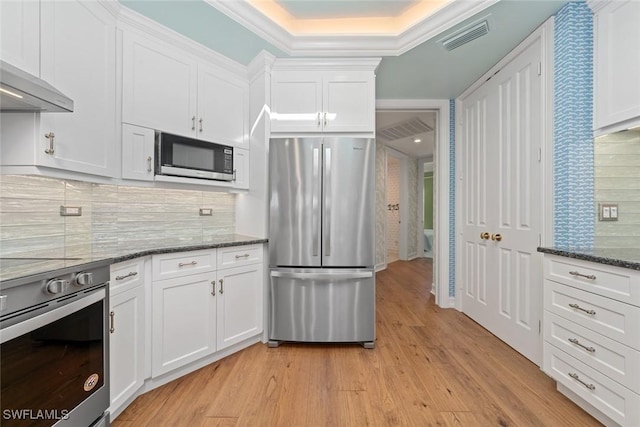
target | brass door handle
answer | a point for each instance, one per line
(485, 235)
(496, 237)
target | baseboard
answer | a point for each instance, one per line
(381, 267)
(586, 406)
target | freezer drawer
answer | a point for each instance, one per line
(311, 305)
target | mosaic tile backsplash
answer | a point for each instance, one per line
(617, 172)
(30, 220)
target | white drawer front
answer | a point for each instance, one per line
(126, 275)
(617, 361)
(235, 256)
(610, 318)
(621, 284)
(617, 402)
(180, 264)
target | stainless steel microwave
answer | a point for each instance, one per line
(193, 158)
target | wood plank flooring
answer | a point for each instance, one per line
(430, 367)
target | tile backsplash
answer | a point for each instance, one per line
(112, 216)
(617, 180)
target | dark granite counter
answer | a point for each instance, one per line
(24, 267)
(619, 257)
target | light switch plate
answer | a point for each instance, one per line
(608, 212)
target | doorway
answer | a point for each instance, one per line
(393, 221)
(427, 208)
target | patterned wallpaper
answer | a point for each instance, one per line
(381, 203)
(572, 134)
(30, 218)
(393, 197)
(617, 180)
(412, 207)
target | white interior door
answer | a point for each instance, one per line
(501, 132)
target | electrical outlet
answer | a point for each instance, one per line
(206, 212)
(70, 210)
(608, 211)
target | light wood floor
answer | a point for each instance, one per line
(431, 366)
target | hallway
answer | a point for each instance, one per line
(431, 366)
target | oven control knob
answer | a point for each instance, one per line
(57, 286)
(84, 279)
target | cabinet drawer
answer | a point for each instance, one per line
(621, 284)
(617, 361)
(610, 318)
(126, 275)
(180, 264)
(235, 256)
(617, 402)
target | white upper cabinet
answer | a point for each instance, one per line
(78, 58)
(159, 86)
(138, 154)
(617, 62)
(336, 96)
(165, 89)
(20, 34)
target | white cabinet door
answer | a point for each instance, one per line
(348, 102)
(78, 58)
(617, 62)
(159, 86)
(240, 304)
(126, 345)
(223, 102)
(184, 321)
(241, 167)
(296, 101)
(137, 152)
(20, 34)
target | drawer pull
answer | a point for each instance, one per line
(242, 256)
(131, 274)
(577, 378)
(577, 307)
(586, 276)
(182, 264)
(576, 342)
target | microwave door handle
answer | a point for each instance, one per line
(43, 319)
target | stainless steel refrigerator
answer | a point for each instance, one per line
(321, 240)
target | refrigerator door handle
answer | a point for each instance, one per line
(327, 202)
(323, 276)
(314, 201)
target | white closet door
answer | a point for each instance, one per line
(501, 136)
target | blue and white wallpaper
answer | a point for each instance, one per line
(452, 197)
(574, 218)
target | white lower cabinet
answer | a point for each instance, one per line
(126, 332)
(184, 321)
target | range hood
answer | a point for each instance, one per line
(23, 92)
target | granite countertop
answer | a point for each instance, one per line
(619, 257)
(22, 266)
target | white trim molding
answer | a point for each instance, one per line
(448, 16)
(441, 188)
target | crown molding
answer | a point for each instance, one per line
(327, 64)
(446, 17)
(262, 63)
(597, 5)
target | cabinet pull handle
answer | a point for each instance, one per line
(234, 174)
(242, 256)
(577, 307)
(193, 123)
(576, 342)
(318, 118)
(213, 288)
(586, 276)
(50, 136)
(131, 274)
(325, 119)
(182, 264)
(577, 378)
(200, 124)
(221, 286)
(112, 320)
(149, 159)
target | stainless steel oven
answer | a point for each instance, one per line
(54, 348)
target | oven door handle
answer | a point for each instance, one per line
(43, 319)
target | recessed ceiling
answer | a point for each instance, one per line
(331, 9)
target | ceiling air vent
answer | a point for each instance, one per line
(465, 35)
(406, 129)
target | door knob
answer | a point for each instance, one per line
(485, 235)
(496, 237)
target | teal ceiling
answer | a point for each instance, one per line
(425, 72)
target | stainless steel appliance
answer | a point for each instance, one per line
(321, 240)
(193, 158)
(21, 91)
(54, 347)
